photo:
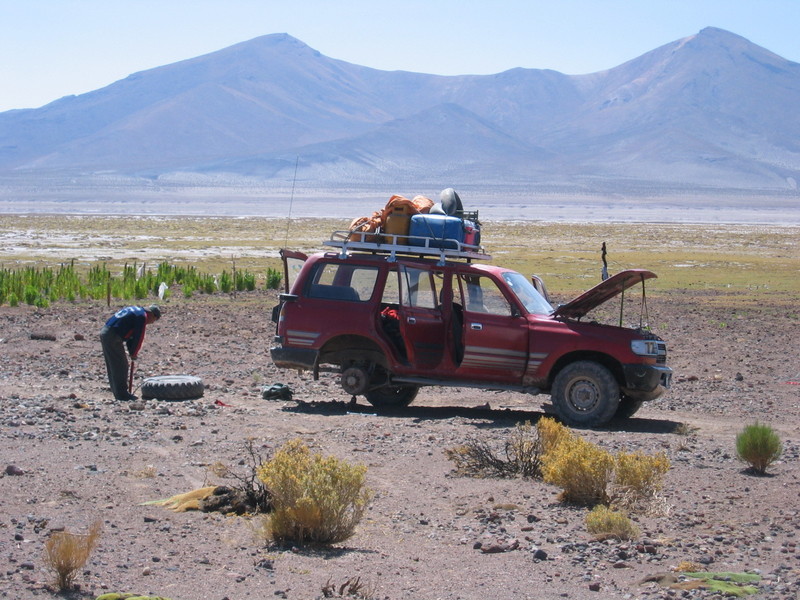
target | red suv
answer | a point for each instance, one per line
(391, 319)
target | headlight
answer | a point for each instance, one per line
(645, 347)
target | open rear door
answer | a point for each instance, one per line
(292, 263)
(422, 322)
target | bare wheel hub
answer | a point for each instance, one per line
(355, 380)
(583, 395)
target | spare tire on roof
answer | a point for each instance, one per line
(173, 387)
(450, 201)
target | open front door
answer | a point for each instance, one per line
(422, 322)
(495, 333)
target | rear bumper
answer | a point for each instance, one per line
(646, 378)
(303, 359)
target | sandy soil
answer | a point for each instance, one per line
(72, 455)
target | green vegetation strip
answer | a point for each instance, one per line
(730, 264)
(728, 583)
(38, 286)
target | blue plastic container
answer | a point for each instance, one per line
(440, 231)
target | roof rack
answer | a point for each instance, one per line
(405, 245)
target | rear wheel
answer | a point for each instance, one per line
(392, 396)
(585, 394)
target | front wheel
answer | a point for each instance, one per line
(392, 396)
(585, 394)
(628, 407)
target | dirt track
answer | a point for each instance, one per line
(83, 457)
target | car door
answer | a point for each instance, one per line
(495, 334)
(422, 323)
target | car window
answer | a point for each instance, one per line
(391, 290)
(483, 296)
(530, 297)
(418, 288)
(334, 281)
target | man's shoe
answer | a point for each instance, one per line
(127, 397)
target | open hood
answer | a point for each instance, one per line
(614, 285)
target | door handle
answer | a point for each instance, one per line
(476, 326)
(411, 320)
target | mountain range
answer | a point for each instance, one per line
(711, 111)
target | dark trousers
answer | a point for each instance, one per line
(116, 362)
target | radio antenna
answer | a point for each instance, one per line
(291, 199)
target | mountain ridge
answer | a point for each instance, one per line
(708, 110)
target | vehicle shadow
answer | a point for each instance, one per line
(484, 416)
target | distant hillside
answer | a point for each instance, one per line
(710, 111)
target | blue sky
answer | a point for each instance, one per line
(53, 48)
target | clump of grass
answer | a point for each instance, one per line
(314, 498)
(638, 478)
(605, 523)
(759, 446)
(66, 553)
(523, 451)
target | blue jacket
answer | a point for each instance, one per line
(129, 323)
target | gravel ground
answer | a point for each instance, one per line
(72, 455)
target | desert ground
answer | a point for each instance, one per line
(727, 303)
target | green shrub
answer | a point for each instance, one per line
(31, 294)
(314, 498)
(274, 278)
(759, 446)
(604, 523)
(225, 282)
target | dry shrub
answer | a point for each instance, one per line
(476, 458)
(604, 523)
(524, 450)
(147, 472)
(65, 553)
(759, 446)
(314, 498)
(551, 433)
(581, 469)
(687, 566)
(351, 588)
(522, 456)
(638, 478)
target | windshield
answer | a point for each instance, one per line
(533, 301)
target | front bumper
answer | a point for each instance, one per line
(303, 359)
(646, 378)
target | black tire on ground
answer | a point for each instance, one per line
(392, 396)
(173, 387)
(628, 407)
(585, 394)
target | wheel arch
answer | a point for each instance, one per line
(346, 348)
